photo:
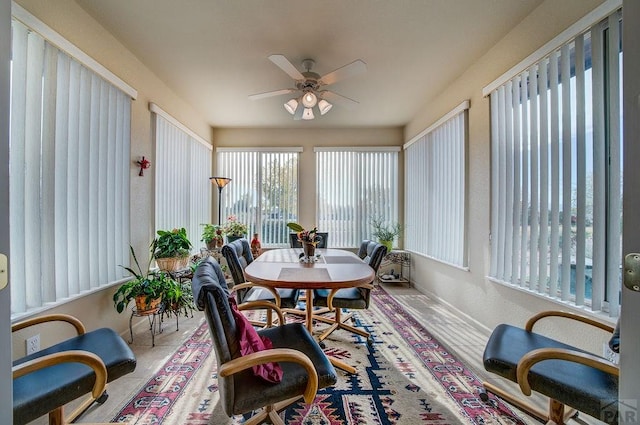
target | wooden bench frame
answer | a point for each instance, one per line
(556, 413)
(98, 393)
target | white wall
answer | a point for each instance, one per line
(471, 292)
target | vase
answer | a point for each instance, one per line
(309, 249)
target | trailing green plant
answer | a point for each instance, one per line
(178, 298)
(148, 284)
(172, 243)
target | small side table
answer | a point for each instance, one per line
(396, 258)
(155, 323)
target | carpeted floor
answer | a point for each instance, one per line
(406, 376)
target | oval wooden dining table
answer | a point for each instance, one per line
(331, 268)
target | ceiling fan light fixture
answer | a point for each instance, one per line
(309, 99)
(307, 114)
(291, 106)
(324, 106)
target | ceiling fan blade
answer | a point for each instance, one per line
(338, 98)
(354, 68)
(284, 64)
(258, 96)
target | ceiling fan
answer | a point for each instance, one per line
(310, 84)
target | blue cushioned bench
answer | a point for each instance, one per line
(45, 381)
(567, 375)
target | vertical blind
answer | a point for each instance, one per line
(435, 184)
(263, 192)
(69, 165)
(354, 186)
(556, 172)
(182, 170)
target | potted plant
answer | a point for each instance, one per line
(234, 229)
(212, 236)
(178, 298)
(172, 249)
(308, 238)
(145, 288)
(386, 232)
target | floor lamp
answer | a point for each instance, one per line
(220, 182)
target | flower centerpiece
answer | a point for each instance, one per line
(308, 238)
(234, 229)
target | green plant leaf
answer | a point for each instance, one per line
(295, 227)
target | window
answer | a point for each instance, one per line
(435, 164)
(355, 185)
(557, 170)
(263, 192)
(182, 170)
(70, 164)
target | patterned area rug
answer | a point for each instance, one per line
(405, 377)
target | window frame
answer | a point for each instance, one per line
(355, 165)
(560, 130)
(439, 154)
(70, 217)
(240, 186)
(183, 190)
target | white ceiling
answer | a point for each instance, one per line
(213, 53)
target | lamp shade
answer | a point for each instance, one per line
(307, 114)
(291, 106)
(220, 181)
(309, 100)
(324, 106)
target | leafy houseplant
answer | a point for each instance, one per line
(178, 298)
(308, 238)
(386, 233)
(234, 229)
(146, 288)
(212, 235)
(172, 249)
(305, 236)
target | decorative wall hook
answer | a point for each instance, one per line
(144, 164)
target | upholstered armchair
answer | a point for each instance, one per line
(305, 368)
(43, 382)
(352, 298)
(238, 256)
(567, 375)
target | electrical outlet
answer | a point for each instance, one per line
(33, 344)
